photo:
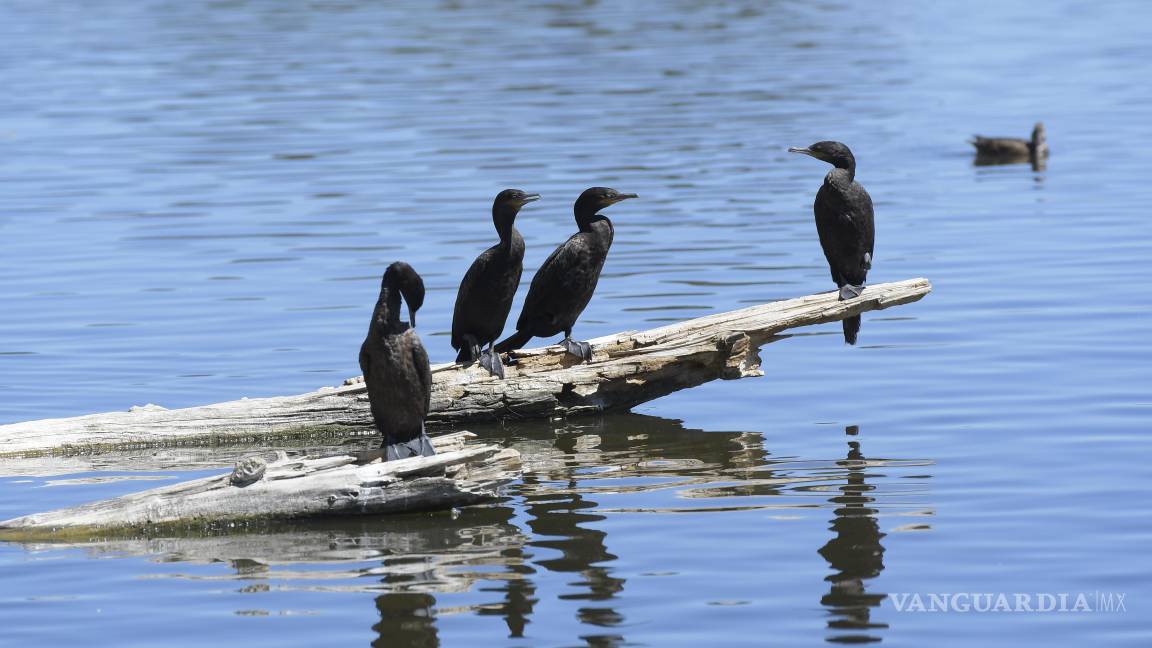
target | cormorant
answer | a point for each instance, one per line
(1007, 150)
(486, 292)
(396, 369)
(843, 212)
(565, 282)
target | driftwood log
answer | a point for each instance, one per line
(290, 488)
(626, 369)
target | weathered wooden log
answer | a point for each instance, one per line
(626, 369)
(291, 488)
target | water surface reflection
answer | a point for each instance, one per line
(855, 553)
(495, 560)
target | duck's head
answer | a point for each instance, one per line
(1038, 134)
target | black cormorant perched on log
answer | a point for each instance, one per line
(565, 282)
(396, 369)
(844, 222)
(486, 292)
(1006, 150)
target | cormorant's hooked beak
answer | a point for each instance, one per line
(804, 150)
(529, 198)
(411, 318)
(623, 196)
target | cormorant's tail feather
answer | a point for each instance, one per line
(851, 328)
(465, 355)
(513, 342)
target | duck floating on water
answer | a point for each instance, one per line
(1012, 150)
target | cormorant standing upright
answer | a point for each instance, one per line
(485, 296)
(396, 369)
(565, 282)
(844, 222)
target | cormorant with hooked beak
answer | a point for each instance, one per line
(565, 282)
(485, 296)
(844, 223)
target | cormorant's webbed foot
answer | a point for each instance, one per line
(581, 350)
(848, 291)
(420, 446)
(490, 360)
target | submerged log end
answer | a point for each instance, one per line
(288, 489)
(740, 356)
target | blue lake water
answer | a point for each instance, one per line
(198, 200)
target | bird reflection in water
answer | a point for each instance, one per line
(562, 518)
(855, 553)
(493, 560)
(565, 470)
(406, 619)
(445, 554)
(559, 487)
(556, 494)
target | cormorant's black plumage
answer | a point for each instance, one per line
(844, 222)
(485, 296)
(395, 367)
(565, 282)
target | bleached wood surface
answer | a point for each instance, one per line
(295, 488)
(626, 369)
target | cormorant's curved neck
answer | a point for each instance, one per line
(848, 163)
(585, 218)
(503, 217)
(390, 298)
